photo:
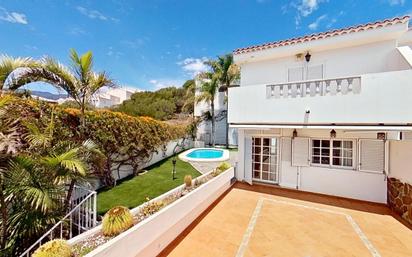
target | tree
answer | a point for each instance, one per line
(162, 104)
(189, 103)
(79, 80)
(208, 89)
(226, 72)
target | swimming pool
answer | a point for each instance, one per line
(205, 155)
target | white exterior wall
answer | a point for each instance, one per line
(350, 183)
(383, 98)
(370, 58)
(400, 161)
(113, 96)
(204, 131)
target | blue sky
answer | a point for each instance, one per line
(156, 43)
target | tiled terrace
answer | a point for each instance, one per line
(267, 221)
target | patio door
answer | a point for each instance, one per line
(265, 159)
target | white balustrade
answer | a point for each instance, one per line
(311, 88)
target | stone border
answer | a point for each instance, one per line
(400, 198)
(225, 157)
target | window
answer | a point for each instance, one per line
(336, 153)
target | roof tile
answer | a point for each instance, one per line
(311, 37)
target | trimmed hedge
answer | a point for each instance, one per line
(122, 139)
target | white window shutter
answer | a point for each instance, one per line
(372, 155)
(286, 149)
(315, 72)
(300, 152)
(295, 74)
(248, 160)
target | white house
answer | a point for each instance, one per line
(329, 113)
(112, 96)
(204, 132)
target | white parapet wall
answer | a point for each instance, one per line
(151, 236)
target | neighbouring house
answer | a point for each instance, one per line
(204, 131)
(112, 96)
(329, 113)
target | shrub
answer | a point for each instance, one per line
(188, 180)
(123, 139)
(219, 169)
(116, 220)
(54, 248)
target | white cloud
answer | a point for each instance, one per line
(194, 66)
(163, 83)
(13, 17)
(135, 43)
(303, 8)
(77, 31)
(396, 2)
(94, 14)
(306, 7)
(112, 52)
(314, 25)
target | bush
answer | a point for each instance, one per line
(151, 208)
(116, 220)
(188, 180)
(221, 168)
(123, 139)
(54, 248)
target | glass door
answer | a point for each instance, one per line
(265, 159)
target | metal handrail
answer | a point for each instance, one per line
(91, 196)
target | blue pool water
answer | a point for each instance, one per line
(205, 154)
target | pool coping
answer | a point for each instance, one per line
(225, 157)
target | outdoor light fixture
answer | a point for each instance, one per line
(174, 168)
(381, 136)
(294, 134)
(332, 133)
(307, 57)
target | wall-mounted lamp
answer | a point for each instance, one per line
(332, 133)
(307, 57)
(381, 135)
(294, 133)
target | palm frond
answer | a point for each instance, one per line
(8, 65)
(30, 185)
(60, 75)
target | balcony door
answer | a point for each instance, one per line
(265, 159)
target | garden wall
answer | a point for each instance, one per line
(127, 170)
(152, 235)
(400, 179)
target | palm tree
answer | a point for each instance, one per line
(79, 80)
(208, 89)
(227, 73)
(66, 163)
(9, 146)
(190, 87)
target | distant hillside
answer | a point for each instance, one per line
(48, 95)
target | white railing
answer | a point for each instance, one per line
(80, 218)
(321, 87)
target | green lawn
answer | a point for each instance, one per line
(156, 181)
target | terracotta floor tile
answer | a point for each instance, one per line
(292, 223)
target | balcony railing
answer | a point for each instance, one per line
(312, 88)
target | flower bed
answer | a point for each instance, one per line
(157, 222)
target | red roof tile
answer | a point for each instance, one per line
(337, 32)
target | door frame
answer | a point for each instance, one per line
(278, 158)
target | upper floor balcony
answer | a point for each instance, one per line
(378, 98)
